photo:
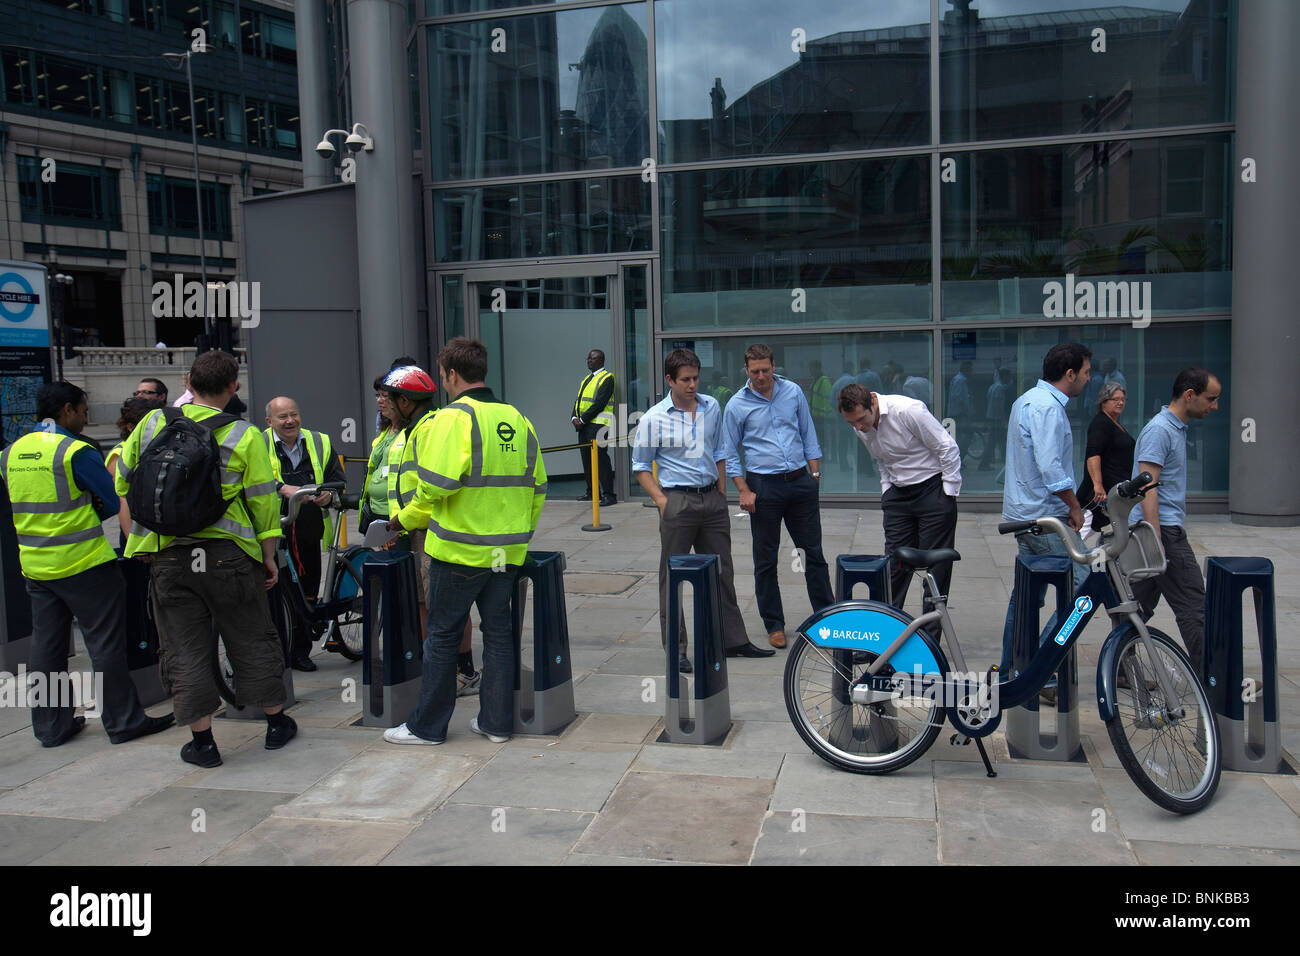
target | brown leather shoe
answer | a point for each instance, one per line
(776, 638)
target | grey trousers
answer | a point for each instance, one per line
(1182, 586)
(699, 522)
(97, 599)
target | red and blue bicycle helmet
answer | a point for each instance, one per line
(409, 380)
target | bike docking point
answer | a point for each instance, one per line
(543, 695)
(1247, 714)
(850, 571)
(392, 645)
(141, 634)
(712, 717)
(16, 622)
(1026, 738)
(869, 569)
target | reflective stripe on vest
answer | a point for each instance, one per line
(587, 396)
(60, 536)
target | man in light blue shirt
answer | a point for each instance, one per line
(1040, 464)
(683, 434)
(1162, 451)
(769, 421)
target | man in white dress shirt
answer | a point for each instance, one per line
(920, 476)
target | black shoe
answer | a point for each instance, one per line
(277, 735)
(684, 664)
(606, 500)
(301, 662)
(152, 725)
(205, 756)
(584, 497)
(749, 650)
(78, 725)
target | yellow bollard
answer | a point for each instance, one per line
(595, 496)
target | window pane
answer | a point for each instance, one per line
(1040, 67)
(1122, 229)
(574, 217)
(999, 365)
(735, 80)
(568, 91)
(739, 244)
(890, 362)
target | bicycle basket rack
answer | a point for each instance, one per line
(1143, 557)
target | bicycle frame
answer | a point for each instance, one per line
(326, 610)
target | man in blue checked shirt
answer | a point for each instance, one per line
(769, 421)
(1040, 466)
(683, 433)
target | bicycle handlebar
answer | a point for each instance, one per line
(1134, 488)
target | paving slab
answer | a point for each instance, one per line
(25, 838)
(1181, 854)
(686, 817)
(545, 780)
(161, 829)
(619, 694)
(590, 859)
(816, 839)
(611, 728)
(23, 759)
(313, 754)
(491, 836)
(398, 784)
(1244, 812)
(282, 841)
(1041, 822)
(682, 758)
(777, 736)
(99, 786)
(808, 783)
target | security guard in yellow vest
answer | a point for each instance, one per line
(592, 410)
(60, 494)
(219, 575)
(301, 457)
(481, 488)
(411, 392)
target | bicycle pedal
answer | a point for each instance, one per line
(958, 740)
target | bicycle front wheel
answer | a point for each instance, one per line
(861, 738)
(348, 634)
(1170, 748)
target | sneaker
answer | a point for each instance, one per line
(467, 684)
(277, 735)
(400, 735)
(495, 738)
(205, 756)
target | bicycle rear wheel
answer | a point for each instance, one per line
(862, 738)
(348, 634)
(1173, 759)
(223, 673)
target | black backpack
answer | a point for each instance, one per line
(176, 485)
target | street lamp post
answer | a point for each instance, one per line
(61, 283)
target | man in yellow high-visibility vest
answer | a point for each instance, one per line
(60, 493)
(481, 488)
(592, 410)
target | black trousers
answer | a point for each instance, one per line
(588, 433)
(798, 505)
(97, 599)
(307, 531)
(919, 516)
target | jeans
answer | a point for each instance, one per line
(453, 588)
(1039, 544)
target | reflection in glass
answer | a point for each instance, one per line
(539, 94)
(819, 243)
(890, 362)
(1124, 229)
(572, 217)
(999, 365)
(1012, 68)
(748, 77)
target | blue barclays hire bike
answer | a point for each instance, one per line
(868, 689)
(337, 619)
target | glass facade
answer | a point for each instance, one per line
(922, 206)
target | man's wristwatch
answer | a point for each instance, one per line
(817, 475)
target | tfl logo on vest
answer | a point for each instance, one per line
(506, 432)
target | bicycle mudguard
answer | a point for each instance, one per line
(345, 586)
(1105, 664)
(873, 626)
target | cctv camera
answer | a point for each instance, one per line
(355, 143)
(325, 149)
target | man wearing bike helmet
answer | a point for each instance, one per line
(411, 390)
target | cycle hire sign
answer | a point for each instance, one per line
(24, 313)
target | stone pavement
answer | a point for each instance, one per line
(604, 791)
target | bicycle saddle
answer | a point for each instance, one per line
(916, 558)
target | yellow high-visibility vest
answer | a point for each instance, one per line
(59, 533)
(587, 395)
(319, 451)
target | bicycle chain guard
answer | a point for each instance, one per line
(974, 711)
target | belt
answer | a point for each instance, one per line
(784, 476)
(698, 490)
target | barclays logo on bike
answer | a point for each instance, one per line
(826, 633)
